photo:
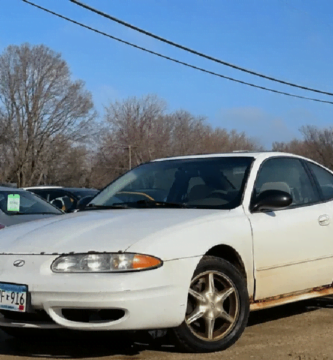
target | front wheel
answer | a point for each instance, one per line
(217, 308)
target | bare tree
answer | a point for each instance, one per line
(39, 105)
(316, 144)
(71, 167)
(141, 130)
(188, 134)
(295, 146)
(319, 143)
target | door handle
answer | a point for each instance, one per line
(324, 220)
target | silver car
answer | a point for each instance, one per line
(18, 206)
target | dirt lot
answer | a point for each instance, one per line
(302, 331)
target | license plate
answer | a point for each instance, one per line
(13, 297)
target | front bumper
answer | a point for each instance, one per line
(149, 299)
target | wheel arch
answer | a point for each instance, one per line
(228, 253)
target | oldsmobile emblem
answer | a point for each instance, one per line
(19, 263)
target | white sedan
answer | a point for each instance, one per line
(190, 244)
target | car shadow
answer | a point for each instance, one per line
(59, 346)
(79, 345)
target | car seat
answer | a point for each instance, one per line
(199, 192)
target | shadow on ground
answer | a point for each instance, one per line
(79, 345)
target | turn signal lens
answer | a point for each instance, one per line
(145, 261)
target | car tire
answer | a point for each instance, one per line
(217, 309)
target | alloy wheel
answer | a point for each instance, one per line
(213, 306)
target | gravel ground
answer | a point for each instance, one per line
(302, 331)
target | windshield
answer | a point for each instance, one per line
(215, 183)
(24, 203)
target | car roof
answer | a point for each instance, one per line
(8, 188)
(240, 153)
(45, 187)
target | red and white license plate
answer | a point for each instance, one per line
(13, 297)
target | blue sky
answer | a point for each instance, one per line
(287, 39)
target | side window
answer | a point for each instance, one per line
(325, 180)
(41, 193)
(289, 175)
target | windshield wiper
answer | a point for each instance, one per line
(11, 213)
(15, 213)
(149, 203)
(44, 213)
(105, 207)
(28, 213)
(136, 204)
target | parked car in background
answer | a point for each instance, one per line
(65, 198)
(18, 206)
(190, 244)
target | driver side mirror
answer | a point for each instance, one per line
(271, 200)
(82, 203)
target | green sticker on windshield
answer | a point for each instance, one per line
(13, 203)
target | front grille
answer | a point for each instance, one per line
(93, 315)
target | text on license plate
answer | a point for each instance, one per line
(13, 297)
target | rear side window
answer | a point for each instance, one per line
(324, 179)
(40, 193)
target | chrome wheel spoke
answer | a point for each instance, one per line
(197, 314)
(196, 295)
(209, 327)
(213, 306)
(223, 295)
(211, 285)
(225, 316)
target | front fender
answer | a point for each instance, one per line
(196, 240)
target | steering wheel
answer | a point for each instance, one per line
(58, 203)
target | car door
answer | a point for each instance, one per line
(293, 247)
(324, 179)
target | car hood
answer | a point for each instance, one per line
(97, 231)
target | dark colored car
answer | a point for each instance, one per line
(18, 206)
(65, 198)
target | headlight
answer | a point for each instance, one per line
(99, 263)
